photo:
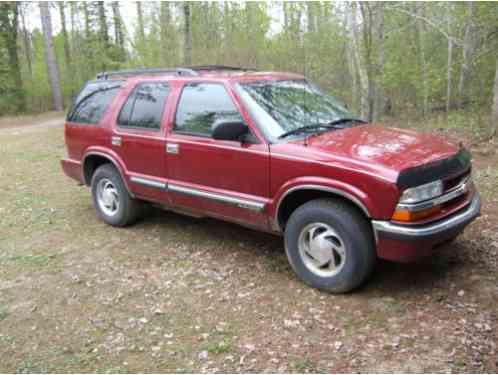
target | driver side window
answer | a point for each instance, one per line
(200, 105)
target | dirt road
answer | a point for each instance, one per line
(175, 294)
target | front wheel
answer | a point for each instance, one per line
(330, 245)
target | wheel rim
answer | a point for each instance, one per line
(322, 250)
(107, 197)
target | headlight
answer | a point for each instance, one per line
(422, 192)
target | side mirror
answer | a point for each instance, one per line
(229, 130)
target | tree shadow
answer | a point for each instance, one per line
(389, 278)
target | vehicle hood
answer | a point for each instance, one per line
(388, 148)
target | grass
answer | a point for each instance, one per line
(29, 260)
(219, 347)
(305, 365)
(3, 315)
(77, 289)
(6, 339)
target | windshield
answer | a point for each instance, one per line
(280, 107)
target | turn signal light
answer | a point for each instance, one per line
(405, 215)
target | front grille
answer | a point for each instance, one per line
(452, 182)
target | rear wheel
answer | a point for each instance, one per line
(111, 199)
(330, 245)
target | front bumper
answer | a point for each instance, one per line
(407, 243)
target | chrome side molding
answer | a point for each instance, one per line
(227, 199)
(149, 183)
(238, 202)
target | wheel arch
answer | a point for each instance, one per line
(95, 159)
(298, 195)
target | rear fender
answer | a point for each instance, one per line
(113, 158)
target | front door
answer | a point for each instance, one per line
(226, 179)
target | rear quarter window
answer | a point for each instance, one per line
(93, 101)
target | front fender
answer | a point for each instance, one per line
(349, 192)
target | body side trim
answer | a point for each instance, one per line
(242, 203)
(148, 182)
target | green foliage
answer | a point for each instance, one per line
(307, 38)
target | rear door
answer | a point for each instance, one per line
(139, 138)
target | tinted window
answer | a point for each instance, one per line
(92, 102)
(144, 107)
(201, 104)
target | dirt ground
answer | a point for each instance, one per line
(176, 294)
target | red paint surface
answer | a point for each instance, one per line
(363, 161)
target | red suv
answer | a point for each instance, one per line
(270, 151)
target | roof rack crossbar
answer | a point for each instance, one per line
(218, 67)
(134, 72)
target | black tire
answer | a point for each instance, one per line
(127, 210)
(352, 229)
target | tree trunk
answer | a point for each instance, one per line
(52, 69)
(311, 16)
(9, 22)
(140, 22)
(421, 30)
(27, 43)
(104, 32)
(468, 50)
(165, 20)
(75, 41)
(450, 61)
(323, 15)
(67, 52)
(359, 64)
(286, 10)
(187, 48)
(366, 13)
(380, 99)
(118, 30)
(86, 16)
(251, 25)
(350, 55)
(494, 112)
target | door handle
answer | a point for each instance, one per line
(116, 141)
(172, 148)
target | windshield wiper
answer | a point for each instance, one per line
(304, 129)
(344, 120)
(324, 126)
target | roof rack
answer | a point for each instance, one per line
(218, 67)
(135, 72)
